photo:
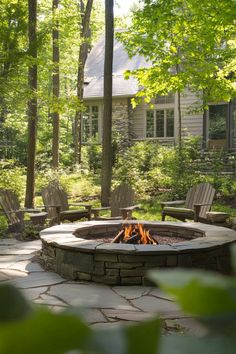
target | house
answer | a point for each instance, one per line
(217, 127)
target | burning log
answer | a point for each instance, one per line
(119, 237)
(135, 234)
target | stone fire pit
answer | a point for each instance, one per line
(67, 250)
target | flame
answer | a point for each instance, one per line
(138, 230)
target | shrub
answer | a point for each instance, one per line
(76, 184)
(150, 167)
(12, 177)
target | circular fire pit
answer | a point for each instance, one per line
(72, 250)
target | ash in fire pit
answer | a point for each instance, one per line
(135, 234)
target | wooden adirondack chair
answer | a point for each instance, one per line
(198, 202)
(15, 214)
(56, 203)
(121, 204)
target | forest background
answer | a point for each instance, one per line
(136, 163)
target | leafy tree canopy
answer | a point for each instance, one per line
(188, 43)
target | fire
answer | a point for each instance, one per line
(134, 233)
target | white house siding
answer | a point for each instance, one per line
(192, 121)
(133, 121)
(137, 117)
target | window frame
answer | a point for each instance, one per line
(155, 109)
(90, 115)
(226, 119)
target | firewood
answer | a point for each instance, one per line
(118, 237)
(134, 234)
(133, 239)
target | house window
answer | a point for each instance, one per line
(170, 98)
(160, 123)
(217, 121)
(90, 123)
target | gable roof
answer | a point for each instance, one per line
(94, 70)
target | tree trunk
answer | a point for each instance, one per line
(32, 103)
(55, 85)
(107, 117)
(83, 53)
(180, 120)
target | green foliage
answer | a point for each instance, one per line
(150, 167)
(12, 177)
(14, 91)
(39, 331)
(76, 183)
(19, 308)
(189, 44)
(92, 154)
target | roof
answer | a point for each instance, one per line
(94, 70)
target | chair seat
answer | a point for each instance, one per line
(178, 213)
(178, 210)
(73, 215)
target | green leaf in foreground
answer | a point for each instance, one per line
(43, 333)
(199, 293)
(13, 304)
(233, 256)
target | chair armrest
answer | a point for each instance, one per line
(58, 210)
(87, 206)
(32, 210)
(126, 213)
(133, 207)
(204, 204)
(172, 203)
(197, 209)
(96, 211)
(80, 204)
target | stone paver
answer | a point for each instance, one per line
(8, 261)
(12, 274)
(93, 316)
(34, 293)
(168, 309)
(132, 292)
(49, 300)
(37, 279)
(27, 267)
(90, 296)
(101, 306)
(134, 316)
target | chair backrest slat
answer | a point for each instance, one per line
(121, 197)
(191, 195)
(205, 195)
(202, 193)
(11, 206)
(54, 195)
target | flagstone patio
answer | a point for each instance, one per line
(100, 305)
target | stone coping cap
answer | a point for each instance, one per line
(62, 236)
